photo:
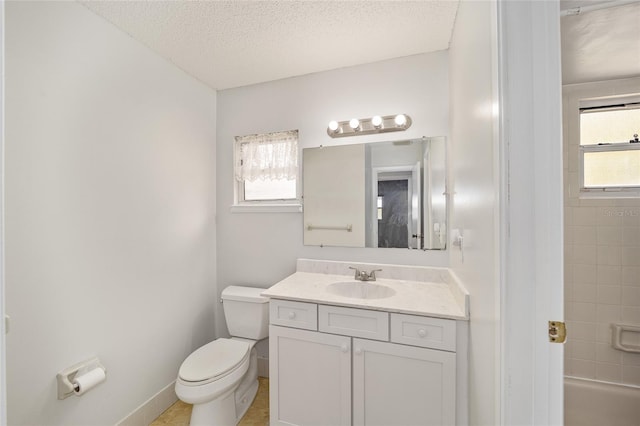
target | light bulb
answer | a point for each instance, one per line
(400, 120)
(354, 123)
(376, 121)
(333, 125)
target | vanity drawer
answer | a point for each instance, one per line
(435, 333)
(293, 314)
(353, 322)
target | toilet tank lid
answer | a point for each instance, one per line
(244, 294)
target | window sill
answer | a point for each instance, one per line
(266, 208)
(612, 193)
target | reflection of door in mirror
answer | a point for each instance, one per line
(397, 206)
(393, 213)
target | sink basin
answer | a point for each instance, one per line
(360, 290)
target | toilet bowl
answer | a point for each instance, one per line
(220, 378)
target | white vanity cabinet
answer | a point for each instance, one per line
(360, 367)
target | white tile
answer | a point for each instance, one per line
(631, 295)
(606, 353)
(586, 274)
(603, 332)
(585, 293)
(609, 235)
(608, 313)
(631, 236)
(568, 293)
(584, 254)
(629, 358)
(585, 312)
(581, 330)
(583, 368)
(631, 375)
(568, 234)
(585, 216)
(609, 294)
(631, 217)
(568, 216)
(630, 256)
(608, 255)
(609, 274)
(631, 314)
(631, 275)
(609, 216)
(586, 235)
(608, 372)
(583, 349)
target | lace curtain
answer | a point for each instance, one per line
(269, 156)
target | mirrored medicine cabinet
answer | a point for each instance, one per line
(383, 194)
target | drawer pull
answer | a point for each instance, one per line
(422, 332)
(358, 351)
(292, 315)
(344, 348)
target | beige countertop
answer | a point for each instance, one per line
(444, 299)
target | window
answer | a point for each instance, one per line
(266, 169)
(609, 146)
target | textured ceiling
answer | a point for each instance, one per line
(236, 43)
(601, 44)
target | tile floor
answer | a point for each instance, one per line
(257, 415)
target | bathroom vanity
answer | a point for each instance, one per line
(386, 352)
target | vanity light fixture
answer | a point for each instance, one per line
(367, 126)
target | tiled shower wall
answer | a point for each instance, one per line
(602, 260)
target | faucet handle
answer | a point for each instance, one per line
(357, 272)
(372, 274)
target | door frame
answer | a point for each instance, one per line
(3, 320)
(531, 211)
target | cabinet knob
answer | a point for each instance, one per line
(292, 315)
(422, 332)
(358, 351)
(344, 348)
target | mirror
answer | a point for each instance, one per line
(383, 194)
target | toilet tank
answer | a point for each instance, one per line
(246, 312)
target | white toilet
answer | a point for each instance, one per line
(220, 379)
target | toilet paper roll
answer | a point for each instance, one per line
(88, 381)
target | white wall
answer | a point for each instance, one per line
(110, 211)
(475, 203)
(602, 264)
(260, 249)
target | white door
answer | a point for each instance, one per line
(3, 387)
(402, 385)
(310, 378)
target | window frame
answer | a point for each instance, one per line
(281, 205)
(607, 191)
(608, 104)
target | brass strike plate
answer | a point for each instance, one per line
(557, 332)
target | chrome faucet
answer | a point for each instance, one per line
(363, 275)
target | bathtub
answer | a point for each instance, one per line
(591, 403)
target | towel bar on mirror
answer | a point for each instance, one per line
(347, 228)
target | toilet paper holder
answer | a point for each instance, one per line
(65, 378)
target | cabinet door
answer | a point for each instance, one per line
(310, 378)
(402, 385)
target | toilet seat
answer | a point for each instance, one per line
(213, 361)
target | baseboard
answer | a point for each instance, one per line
(263, 367)
(151, 408)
